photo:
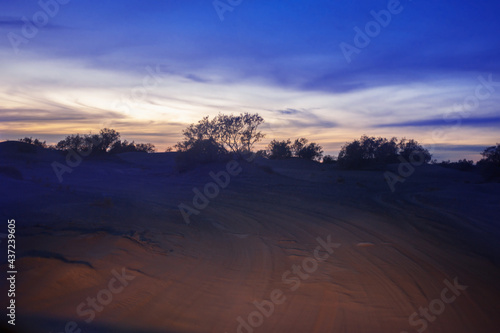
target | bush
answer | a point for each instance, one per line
(145, 147)
(352, 156)
(386, 151)
(302, 149)
(280, 149)
(34, 142)
(411, 150)
(92, 143)
(107, 141)
(370, 151)
(126, 147)
(329, 159)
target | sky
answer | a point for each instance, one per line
(329, 71)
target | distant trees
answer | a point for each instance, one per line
(126, 147)
(368, 151)
(461, 165)
(300, 148)
(229, 133)
(107, 141)
(34, 142)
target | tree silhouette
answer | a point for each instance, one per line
(280, 149)
(230, 133)
(379, 151)
(309, 151)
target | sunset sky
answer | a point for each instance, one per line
(149, 68)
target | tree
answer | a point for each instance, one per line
(72, 142)
(205, 129)
(107, 141)
(379, 151)
(386, 151)
(280, 149)
(108, 138)
(352, 155)
(492, 154)
(411, 150)
(239, 133)
(34, 142)
(236, 134)
(145, 147)
(302, 149)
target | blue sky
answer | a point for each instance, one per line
(149, 68)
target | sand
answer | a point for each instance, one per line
(390, 254)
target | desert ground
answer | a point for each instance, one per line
(287, 246)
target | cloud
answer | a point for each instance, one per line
(459, 148)
(289, 111)
(302, 118)
(493, 121)
(54, 116)
(196, 78)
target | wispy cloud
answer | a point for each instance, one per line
(493, 121)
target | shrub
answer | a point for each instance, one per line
(126, 147)
(410, 149)
(302, 149)
(145, 147)
(107, 141)
(352, 156)
(280, 149)
(34, 142)
(386, 151)
(369, 151)
(329, 159)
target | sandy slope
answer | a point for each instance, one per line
(393, 250)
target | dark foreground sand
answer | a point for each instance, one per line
(107, 250)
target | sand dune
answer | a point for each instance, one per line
(383, 255)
